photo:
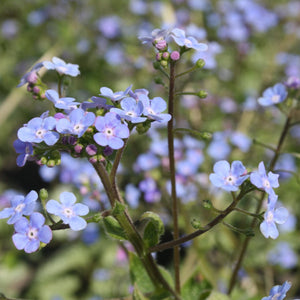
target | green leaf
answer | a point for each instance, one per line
(137, 294)
(139, 275)
(204, 135)
(118, 208)
(113, 228)
(217, 296)
(151, 236)
(196, 288)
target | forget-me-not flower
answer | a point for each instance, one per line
(68, 211)
(117, 96)
(153, 108)
(61, 103)
(273, 215)
(131, 110)
(20, 206)
(273, 95)
(97, 102)
(31, 76)
(156, 35)
(111, 131)
(278, 292)
(62, 67)
(263, 181)
(226, 177)
(24, 149)
(77, 122)
(180, 39)
(39, 130)
(30, 233)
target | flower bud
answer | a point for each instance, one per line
(51, 163)
(107, 151)
(161, 45)
(202, 94)
(158, 80)
(43, 194)
(166, 55)
(164, 63)
(156, 65)
(175, 55)
(78, 148)
(93, 159)
(36, 89)
(200, 63)
(158, 56)
(91, 150)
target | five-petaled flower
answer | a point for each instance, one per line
(39, 130)
(226, 177)
(180, 39)
(77, 123)
(131, 110)
(68, 211)
(30, 233)
(61, 103)
(62, 67)
(278, 292)
(20, 206)
(263, 181)
(31, 77)
(273, 95)
(117, 96)
(111, 131)
(153, 108)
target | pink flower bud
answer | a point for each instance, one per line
(175, 55)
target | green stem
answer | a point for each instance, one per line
(175, 201)
(259, 205)
(187, 71)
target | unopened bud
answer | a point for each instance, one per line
(202, 94)
(78, 148)
(158, 56)
(51, 163)
(91, 149)
(175, 55)
(166, 55)
(200, 63)
(43, 194)
(158, 80)
(156, 65)
(164, 63)
(161, 45)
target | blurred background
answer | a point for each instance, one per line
(251, 46)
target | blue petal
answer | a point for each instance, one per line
(20, 240)
(281, 214)
(54, 207)
(101, 139)
(115, 143)
(32, 246)
(77, 223)
(45, 234)
(222, 167)
(67, 199)
(51, 138)
(80, 209)
(37, 220)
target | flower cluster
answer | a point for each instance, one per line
(74, 128)
(29, 225)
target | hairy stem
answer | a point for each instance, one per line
(254, 222)
(172, 175)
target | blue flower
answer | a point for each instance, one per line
(39, 130)
(77, 123)
(156, 35)
(132, 110)
(29, 234)
(283, 255)
(226, 177)
(263, 181)
(25, 150)
(111, 131)
(61, 103)
(273, 95)
(147, 161)
(273, 215)
(117, 96)
(20, 206)
(61, 67)
(68, 211)
(97, 102)
(179, 37)
(278, 292)
(153, 108)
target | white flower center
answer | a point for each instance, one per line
(266, 183)
(61, 69)
(78, 128)
(40, 133)
(131, 114)
(230, 180)
(32, 233)
(150, 111)
(109, 131)
(20, 207)
(68, 212)
(269, 217)
(187, 42)
(275, 98)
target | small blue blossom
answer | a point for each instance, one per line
(153, 108)
(263, 181)
(278, 292)
(61, 103)
(117, 96)
(25, 151)
(31, 77)
(283, 255)
(39, 130)
(110, 26)
(149, 187)
(156, 35)
(68, 211)
(111, 131)
(97, 102)
(77, 123)
(61, 67)
(131, 110)
(132, 195)
(273, 95)
(146, 162)
(273, 215)
(20, 206)
(29, 234)
(179, 37)
(226, 177)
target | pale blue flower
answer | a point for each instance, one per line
(62, 67)
(278, 292)
(273, 95)
(61, 103)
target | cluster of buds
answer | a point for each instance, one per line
(163, 56)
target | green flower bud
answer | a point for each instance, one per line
(43, 194)
(200, 63)
(51, 163)
(156, 65)
(43, 160)
(164, 63)
(202, 94)
(158, 80)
